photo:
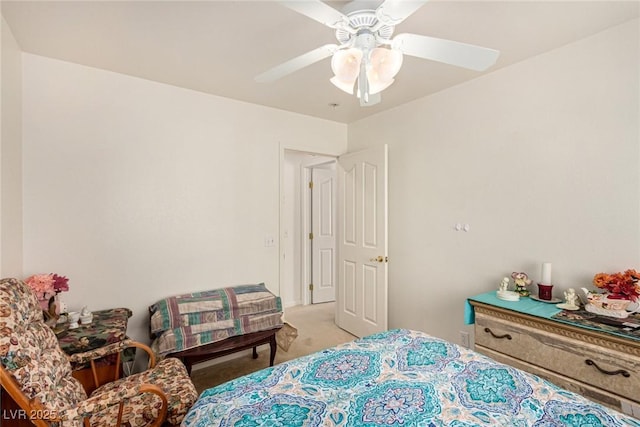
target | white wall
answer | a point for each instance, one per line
(138, 190)
(10, 155)
(540, 158)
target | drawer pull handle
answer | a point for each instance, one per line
(507, 336)
(622, 372)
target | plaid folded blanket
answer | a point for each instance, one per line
(190, 320)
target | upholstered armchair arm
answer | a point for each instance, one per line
(85, 409)
(114, 348)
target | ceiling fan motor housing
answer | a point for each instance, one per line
(365, 41)
(364, 22)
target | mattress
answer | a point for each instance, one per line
(396, 378)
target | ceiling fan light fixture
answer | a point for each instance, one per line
(346, 86)
(385, 62)
(346, 64)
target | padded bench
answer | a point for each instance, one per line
(228, 346)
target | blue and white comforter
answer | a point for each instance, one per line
(397, 378)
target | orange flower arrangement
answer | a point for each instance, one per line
(620, 285)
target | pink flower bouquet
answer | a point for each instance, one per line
(46, 286)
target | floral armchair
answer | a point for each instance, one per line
(37, 374)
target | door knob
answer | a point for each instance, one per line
(380, 258)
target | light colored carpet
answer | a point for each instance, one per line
(316, 331)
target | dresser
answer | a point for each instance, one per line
(599, 363)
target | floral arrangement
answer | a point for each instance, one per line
(46, 286)
(60, 283)
(624, 285)
(522, 281)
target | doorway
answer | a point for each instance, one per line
(360, 259)
(308, 228)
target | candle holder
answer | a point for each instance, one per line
(545, 291)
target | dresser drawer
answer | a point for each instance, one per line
(573, 356)
(592, 393)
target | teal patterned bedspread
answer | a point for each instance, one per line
(396, 378)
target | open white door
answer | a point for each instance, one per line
(323, 229)
(361, 300)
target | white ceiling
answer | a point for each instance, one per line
(219, 46)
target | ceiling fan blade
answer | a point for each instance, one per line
(297, 63)
(448, 51)
(318, 11)
(393, 12)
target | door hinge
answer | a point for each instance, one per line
(310, 236)
(311, 184)
(311, 286)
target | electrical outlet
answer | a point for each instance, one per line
(269, 241)
(464, 339)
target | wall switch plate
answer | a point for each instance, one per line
(269, 241)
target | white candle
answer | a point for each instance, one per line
(546, 273)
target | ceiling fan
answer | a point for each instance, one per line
(367, 54)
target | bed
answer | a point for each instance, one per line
(399, 377)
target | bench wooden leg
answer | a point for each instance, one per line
(272, 344)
